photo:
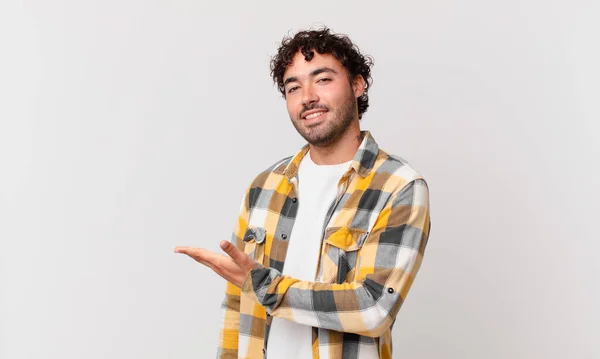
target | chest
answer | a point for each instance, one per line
(346, 213)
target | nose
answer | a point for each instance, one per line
(309, 96)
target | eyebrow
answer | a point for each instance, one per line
(314, 73)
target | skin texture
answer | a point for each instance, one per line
(233, 267)
(321, 84)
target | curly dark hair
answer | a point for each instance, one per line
(324, 42)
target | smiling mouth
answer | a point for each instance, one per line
(314, 115)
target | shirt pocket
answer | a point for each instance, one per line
(340, 252)
(254, 239)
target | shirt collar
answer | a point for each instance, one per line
(362, 163)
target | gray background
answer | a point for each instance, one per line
(130, 127)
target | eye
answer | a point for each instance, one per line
(292, 89)
(324, 79)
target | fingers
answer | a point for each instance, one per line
(232, 251)
(181, 249)
(190, 251)
(234, 267)
(198, 254)
(239, 257)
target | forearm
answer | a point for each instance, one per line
(389, 261)
(364, 307)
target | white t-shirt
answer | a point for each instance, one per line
(317, 189)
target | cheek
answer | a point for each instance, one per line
(332, 96)
(292, 107)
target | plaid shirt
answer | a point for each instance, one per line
(374, 238)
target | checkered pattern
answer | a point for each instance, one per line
(374, 239)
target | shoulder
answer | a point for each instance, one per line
(401, 172)
(275, 169)
(396, 166)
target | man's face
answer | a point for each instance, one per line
(320, 99)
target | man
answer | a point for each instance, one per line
(328, 241)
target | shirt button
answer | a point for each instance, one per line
(390, 290)
(284, 236)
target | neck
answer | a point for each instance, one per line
(342, 150)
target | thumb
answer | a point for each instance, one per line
(232, 251)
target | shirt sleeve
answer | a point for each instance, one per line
(230, 307)
(389, 261)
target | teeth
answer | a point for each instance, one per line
(313, 115)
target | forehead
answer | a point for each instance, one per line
(300, 67)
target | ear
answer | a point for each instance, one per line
(358, 86)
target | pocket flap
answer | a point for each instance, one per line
(257, 234)
(345, 238)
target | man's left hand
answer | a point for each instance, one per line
(234, 267)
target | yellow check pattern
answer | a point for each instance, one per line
(374, 239)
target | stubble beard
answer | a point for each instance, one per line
(325, 134)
